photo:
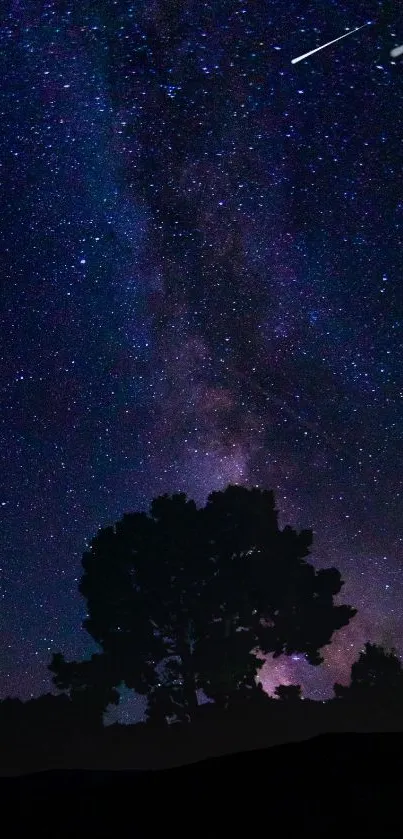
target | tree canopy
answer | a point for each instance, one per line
(181, 599)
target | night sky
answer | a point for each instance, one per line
(201, 284)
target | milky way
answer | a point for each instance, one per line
(201, 285)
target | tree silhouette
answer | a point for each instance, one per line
(376, 676)
(288, 693)
(183, 598)
(264, 596)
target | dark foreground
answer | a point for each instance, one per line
(336, 784)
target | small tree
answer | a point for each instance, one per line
(91, 686)
(288, 693)
(376, 676)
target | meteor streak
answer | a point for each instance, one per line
(306, 54)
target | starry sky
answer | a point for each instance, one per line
(201, 284)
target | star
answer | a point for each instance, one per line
(214, 237)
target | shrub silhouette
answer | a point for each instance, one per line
(376, 677)
(88, 684)
(288, 693)
(40, 724)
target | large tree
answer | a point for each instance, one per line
(183, 598)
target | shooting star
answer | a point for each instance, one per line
(307, 54)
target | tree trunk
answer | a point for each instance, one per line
(189, 680)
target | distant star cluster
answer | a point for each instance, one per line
(201, 284)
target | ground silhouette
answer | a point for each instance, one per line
(349, 785)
